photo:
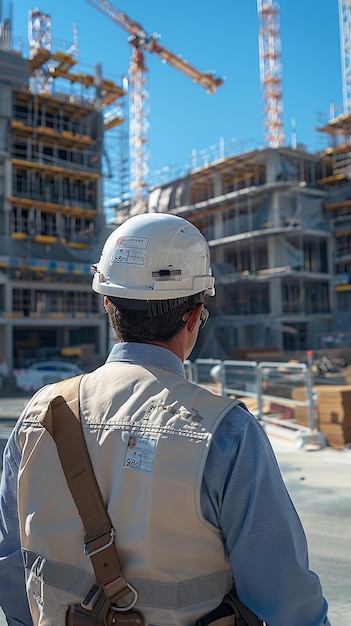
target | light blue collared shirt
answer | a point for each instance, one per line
(243, 494)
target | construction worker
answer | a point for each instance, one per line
(189, 478)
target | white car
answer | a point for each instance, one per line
(43, 373)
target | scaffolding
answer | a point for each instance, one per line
(52, 138)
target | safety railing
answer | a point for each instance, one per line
(274, 391)
(199, 371)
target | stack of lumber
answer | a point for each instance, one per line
(334, 408)
(334, 412)
(301, 413)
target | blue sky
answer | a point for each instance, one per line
(221, 36)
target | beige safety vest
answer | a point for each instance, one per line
(148, 433)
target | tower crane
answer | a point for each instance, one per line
(271, 72)
(345, 45)
(141, 41)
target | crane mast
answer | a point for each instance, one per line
(40, 36)
(139, 96)
(271, 72)
(138, 126)
(345, 45)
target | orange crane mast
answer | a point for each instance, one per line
(271, 72)
(142, 41)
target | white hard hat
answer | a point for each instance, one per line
(154, 256)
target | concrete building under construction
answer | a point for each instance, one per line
(278, 224)
(277, 219)
(52, 223)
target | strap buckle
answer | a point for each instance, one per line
(97, 550)
(116, 607)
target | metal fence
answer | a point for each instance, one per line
(275, 391)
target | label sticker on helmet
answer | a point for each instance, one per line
(130, 250)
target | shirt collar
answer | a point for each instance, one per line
(147, 353)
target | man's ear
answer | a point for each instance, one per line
(106, 301)
(193, 320)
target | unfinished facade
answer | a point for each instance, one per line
(271, 248)
(338, 213)
(52, 223)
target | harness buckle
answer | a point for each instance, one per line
(97, 550)
(117, 608)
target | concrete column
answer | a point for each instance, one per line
(63, 335)
(271, 255)
(218, 255)
(218, 227)
(331, 271)
(217, 184)
(8, 297)
(6, 344)
(275, 296)
(2, 343)
(9, 345)
(275, 211)
(272, 166)
(8, 191)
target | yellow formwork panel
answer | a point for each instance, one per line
(80, 174)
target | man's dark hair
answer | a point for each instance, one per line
(137, 325)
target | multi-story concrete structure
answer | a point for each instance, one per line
(271, 247)
(52, 222)
(278, 222)
(338, 213)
